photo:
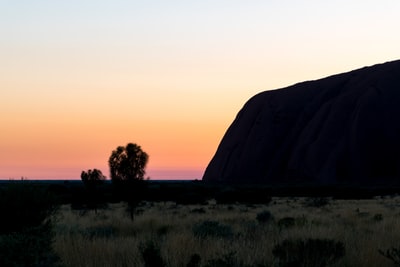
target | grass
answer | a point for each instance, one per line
(238, 238)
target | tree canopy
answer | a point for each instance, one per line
(92, 177)
(128, 163)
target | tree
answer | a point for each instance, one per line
(128, 163)
(91, 179)
(127, 169)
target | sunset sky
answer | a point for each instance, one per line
(79, 78)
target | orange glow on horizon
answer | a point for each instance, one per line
(75, 84)
(65, 148)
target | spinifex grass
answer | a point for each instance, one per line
(227, 233)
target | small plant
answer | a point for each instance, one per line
(392, 254)
(378, 217)
(227, 260)
(99, 232)
(264, 217)
(308, 253)
(198, 210)
(212, 229)
(317, 202)
(163, 230)
(151, 255)
(301, 221)
(194, 261)
(286, 222)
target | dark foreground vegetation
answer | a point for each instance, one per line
(29, 226)
(26, 228)
(194, 191)
(198, 192)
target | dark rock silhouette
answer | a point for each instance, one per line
(341, 129)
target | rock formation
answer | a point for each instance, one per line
(343, 128)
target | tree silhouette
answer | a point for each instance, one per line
(127, 169)
(91, 179)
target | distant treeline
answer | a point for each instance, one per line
(197, 192)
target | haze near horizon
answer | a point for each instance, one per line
(78, 79)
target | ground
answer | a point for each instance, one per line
(234, 235)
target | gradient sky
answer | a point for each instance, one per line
(79, 78)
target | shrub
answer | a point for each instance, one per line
(317, 202)
(227, 260)
(99, 232)
(26, 231)
(264, 217)
(198, 210)
(24, 205)
(286, 222)
(378, 217)
(30, 247)
(392, 254)
(212, 229)
(163, 230)
(194, 261)
(151, 255)
(308, 253)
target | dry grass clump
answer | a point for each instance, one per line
(227, 235)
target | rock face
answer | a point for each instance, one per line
(343, 128)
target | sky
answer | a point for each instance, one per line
(79, 78)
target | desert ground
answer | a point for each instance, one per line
(329, 232)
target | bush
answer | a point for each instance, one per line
(286, 222)
(26, 231)
(378, 217)
(23, 205)
(212, 229)
(163, 230)
(392, 254)
(317, 202)
(264, 217)
(151, 255)
(99, 232)
(227, 260)
(198, 210)
(194, 261)
(30, 247)
(308, 253)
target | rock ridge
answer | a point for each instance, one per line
(342, 128)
